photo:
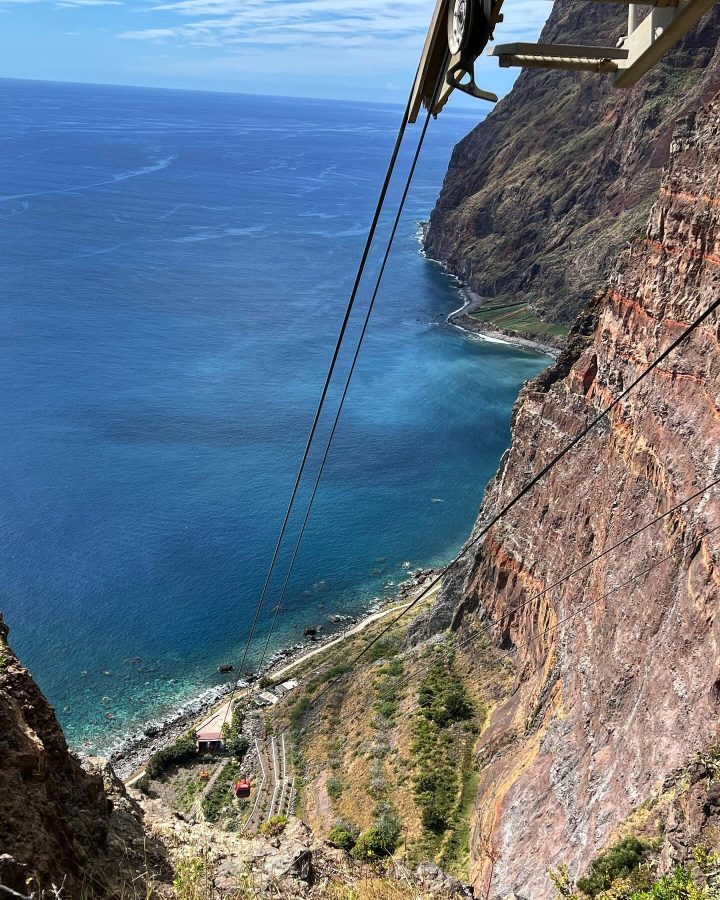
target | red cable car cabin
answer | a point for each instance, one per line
(242, 788)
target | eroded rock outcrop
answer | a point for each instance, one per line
(618, 668)
(53, 815)
(61, 823)
(542, 195)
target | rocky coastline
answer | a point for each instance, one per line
(135, 751)
(462, 319)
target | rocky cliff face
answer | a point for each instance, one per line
(618, 668)
(53, 815)
(541, 196)
(61, 824)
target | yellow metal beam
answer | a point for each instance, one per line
(431, 61)
(659, 31)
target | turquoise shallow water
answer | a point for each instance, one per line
(175, 267)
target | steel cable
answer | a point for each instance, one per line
(545, 469)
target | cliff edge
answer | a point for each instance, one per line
(618, 668)
(63, 827)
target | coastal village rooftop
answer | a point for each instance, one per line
(208, 734)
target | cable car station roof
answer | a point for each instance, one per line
(461, 29)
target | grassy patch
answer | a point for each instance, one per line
(455, 854)
(519, 319)
(440, 744)
(334, 787)
(187, 796)
(274, 826)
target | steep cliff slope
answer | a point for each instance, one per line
(614, 690)
(59, 823)
(52, 814)
(542, 195)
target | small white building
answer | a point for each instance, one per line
(266, 698)
(208, 735)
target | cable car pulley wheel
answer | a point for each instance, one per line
(468, 31)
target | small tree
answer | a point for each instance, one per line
(617, 862)
(341, 838)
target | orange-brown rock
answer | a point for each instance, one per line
(618, 668)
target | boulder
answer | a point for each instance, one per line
(435, 881)
(292, 859)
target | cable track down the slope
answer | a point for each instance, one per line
(260, 789)
(276, 780)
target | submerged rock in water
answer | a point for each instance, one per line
(224, 668)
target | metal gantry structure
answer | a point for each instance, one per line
(460, 31)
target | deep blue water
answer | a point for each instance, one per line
(174, 268)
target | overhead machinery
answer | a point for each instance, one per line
(461, 29)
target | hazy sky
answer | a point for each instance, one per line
(355, 49)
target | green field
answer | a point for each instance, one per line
(520, 319)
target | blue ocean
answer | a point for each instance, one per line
(174, 268)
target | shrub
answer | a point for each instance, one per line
(677, 885)
(298, 712)
(442, 697)
(334, 787)
(379, 840)
(443, 702)
(435, 792)
(336, 671)
(237, 745)
(143, 784)
(274, 826)
(235, 741)
(341, 838)
(384, 649)
(617, 862)
(183, 750)
(395, 667)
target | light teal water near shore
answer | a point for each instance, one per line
(175, 268)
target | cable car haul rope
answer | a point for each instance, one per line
(460, 30)
(328, 381)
